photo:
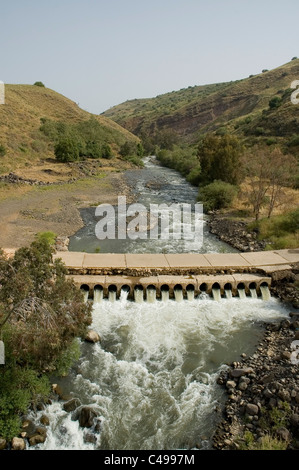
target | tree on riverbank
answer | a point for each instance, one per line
(219, 158)
(41, 314)
(268, 173)
(45, 310)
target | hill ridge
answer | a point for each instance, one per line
(192, 111)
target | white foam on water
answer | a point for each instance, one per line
(153, 377)
(253, 293)
(98, 296)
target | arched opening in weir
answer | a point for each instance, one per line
(125, 291)
(190, 289)
(112, 291)
(151, 293)
(164, 292)
(216, 291)
(265, 291)
(228, 290)
(98, 293)
(85, 289)
(252, 289)
(138, 293)
(178, 292)
(241, 290)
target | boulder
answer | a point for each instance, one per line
(295, 421)
(18, 443)
(71, 405)
(231, 384)
(236, 373)
(37, 439)
(45, 420)
(57, 390)
(284, 434)
(86, 416)
(252, 410)
(28, 427)
(3, 444)
(242, 386)
(92, 337)
(286, 355)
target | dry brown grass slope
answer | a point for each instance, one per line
(20, 120)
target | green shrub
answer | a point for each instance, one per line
(93, 150)
(107, 152)
(217, 195)
(2, 150)
(259, 131)
(294, 141)
(67, 150)
(67, 358)
(282, 231)
(39, 84)
(48, 237)
(135, 160)
(194, 176)
(19, 387)
(275, 102)
(267, 442)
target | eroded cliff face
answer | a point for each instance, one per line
(194, 118)
(195, 110)
(208, 114)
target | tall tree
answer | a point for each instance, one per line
(268, 173)
(219, 158)
(41, 311)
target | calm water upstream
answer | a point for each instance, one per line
(152, 380)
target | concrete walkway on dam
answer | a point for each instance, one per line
(105, 263)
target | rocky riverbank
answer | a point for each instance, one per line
(262, 408)
(235, 233)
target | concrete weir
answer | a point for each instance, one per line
(177, 275)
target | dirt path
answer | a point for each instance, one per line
(28, 210)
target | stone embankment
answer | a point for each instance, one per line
(235, 233)
(263, 390)
(12, 178)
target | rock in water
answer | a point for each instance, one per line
(92, 337)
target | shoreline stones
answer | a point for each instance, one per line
(235, 233)
(263, 391)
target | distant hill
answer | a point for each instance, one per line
(21, 141)
(240, 107)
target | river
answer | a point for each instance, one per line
(152, 184)
(152, 379)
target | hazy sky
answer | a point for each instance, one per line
(100, 53)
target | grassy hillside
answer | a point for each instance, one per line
(21, 141)
(240, 107)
